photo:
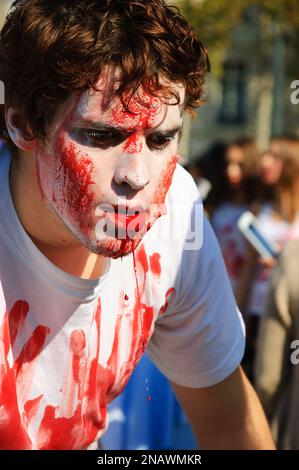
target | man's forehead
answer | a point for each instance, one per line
(102, 103)
(110, 79)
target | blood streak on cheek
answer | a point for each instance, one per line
(74, 179)
(165, 181)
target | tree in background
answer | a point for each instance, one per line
(277, 24)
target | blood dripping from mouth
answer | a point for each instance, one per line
(141, 268)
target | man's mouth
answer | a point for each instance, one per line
(126, 220)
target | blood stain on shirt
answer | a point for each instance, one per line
(16, 318)
(168, 294)
(155, 264)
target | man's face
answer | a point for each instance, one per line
(106, 171)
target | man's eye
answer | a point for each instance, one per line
(102, 139)
(159, 141)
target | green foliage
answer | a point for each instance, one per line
(214, 19)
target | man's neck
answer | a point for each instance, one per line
(49, 234)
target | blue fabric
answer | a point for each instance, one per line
(147, 415)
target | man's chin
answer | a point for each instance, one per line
(113, 248)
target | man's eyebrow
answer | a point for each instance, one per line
(100, 125)
(171, 130)
(114, 127)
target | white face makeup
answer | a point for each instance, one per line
(102, 165)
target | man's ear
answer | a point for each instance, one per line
(18, 130)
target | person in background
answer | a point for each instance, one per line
(277, 365)
(277, 215)
(234, 192)
(212, 165)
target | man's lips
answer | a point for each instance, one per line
(133, 217)
(121, 209)
(126, 219)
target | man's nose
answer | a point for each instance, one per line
(132, 170)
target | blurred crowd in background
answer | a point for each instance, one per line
(267, 184)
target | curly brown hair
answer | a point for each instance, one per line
(49, 49)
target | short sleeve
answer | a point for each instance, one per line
(200, 339)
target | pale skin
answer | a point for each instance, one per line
(227, 415)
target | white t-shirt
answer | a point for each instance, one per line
(68, 345)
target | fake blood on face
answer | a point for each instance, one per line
(165, 181)
(74, 180)
(140, 115)
(126, 221)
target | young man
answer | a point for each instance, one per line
(95, 262)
